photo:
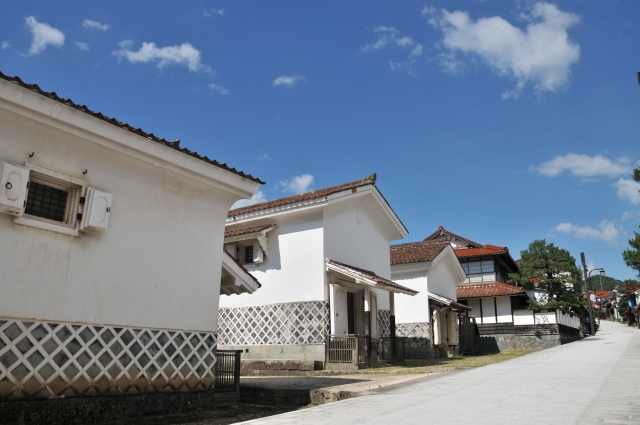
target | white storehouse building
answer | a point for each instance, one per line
(429, 320)
(112, 265)
(323, 260)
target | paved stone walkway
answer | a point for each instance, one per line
(596, 380)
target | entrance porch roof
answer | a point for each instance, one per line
(236, 279)
(367, 277)
(448, 302)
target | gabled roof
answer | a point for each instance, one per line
(442, 231)
(416, 252)
(248, 231)
(173, 145)
(477, 252)
(370, 276)
(371, 180)
(244, 282)
(491, 289)
(439, 299)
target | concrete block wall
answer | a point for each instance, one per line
(300, 352)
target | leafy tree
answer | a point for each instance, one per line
(546, 266)
(626, 294)
(608, 283)
(632, 256)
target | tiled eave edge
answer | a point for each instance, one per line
(279, 209)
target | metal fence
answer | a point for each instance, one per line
(354, 349)
(228, 371)
(341, 349)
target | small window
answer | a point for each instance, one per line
(46, 202)
(248, 254)
(52, 201)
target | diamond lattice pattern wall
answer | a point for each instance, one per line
(289, 323)
(43, 359)
(416, 334)
(384, 323)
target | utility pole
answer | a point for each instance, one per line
(587, 286)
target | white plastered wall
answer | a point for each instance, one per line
(416, 308)
(443, 276)
(159, 263)
(476, 313)
(294, 268)
(488, 310)
(355, 235)
(503, 305)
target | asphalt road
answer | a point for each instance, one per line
(592, 381)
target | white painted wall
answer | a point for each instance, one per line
(546, 318)
(294, 269)
(159, 263)
(412, 309)
(443, 276)
(503, 305)
(523, 317)
(354, 235)
(475, 313)
(438, 277)
(488, 310)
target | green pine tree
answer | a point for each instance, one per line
(632, 256)
(546, 266)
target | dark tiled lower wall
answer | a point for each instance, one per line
(417, 343)
(43, 359)
(287, 324)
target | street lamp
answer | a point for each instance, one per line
(601, 274)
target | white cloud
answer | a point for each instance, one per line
(607, 231)
(43, 34)
(5, 45)
(255, 199)
(628, 215)
(213, 12)
(416, 51)
(387, 35)
(265, 157)
(297, 184)
(184, 54)
(585, 166)
(541, 54)
(288, 80)
(218, 89)
(628, 189)
(88, 23)
(82, 46)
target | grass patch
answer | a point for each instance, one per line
(443, 364)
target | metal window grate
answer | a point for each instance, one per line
(46, 202)
(248, 254)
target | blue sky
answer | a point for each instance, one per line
(503, 121)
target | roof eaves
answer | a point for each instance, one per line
(307, 196)
(83, 108)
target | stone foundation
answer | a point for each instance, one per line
(85, 410)
(278, 367)
(299, 352)
(505, 337)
